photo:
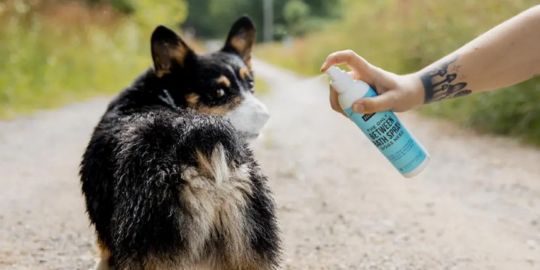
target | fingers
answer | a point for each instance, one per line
(359, 65)
(348, 57)
(384, 102)
(334, 103)
(361, 69)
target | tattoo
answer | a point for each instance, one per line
(439, 83)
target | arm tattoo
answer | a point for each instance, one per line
(439, 83)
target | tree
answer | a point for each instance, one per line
(212, 18)
(296, 14)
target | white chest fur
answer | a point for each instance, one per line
(215, 197)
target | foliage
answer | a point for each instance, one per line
(406, 35)
(63, 51)
(296, 13)
(224, 12)
(123, 6)
(513, 111)
(149, 13)
(211, 18)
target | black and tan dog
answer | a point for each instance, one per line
(168, 178)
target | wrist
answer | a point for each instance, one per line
(413, 84)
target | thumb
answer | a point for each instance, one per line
(384, 102)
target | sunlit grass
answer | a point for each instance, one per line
(514, 111)
(287, 57)
(41, 75)
(55, 56)
(404, 36)
(47, 63)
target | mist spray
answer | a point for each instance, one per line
(383, 128)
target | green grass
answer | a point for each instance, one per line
(288, 57)
(513, 111)
(47, 63)
(70, 52)
(404, 36)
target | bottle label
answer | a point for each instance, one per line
(387, 133)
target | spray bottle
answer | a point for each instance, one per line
(383, 128)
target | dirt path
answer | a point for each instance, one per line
(341, 205)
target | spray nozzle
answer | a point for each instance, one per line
(340, 78)
(335, 72)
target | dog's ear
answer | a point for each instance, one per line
(168, 50)
(241, 38)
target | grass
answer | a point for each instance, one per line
(63, 52)
(56, 56)
(404, 36)
(514, 111)
(288, 57)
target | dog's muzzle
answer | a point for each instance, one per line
(249, 117)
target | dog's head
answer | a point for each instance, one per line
(218, 83)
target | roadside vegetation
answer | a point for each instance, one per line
(404, 36)
(53, 52)
(56, 52)
(211, 19)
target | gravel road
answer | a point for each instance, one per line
(340, 203)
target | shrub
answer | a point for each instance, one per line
(60, 52)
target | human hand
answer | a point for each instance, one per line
(396, 92)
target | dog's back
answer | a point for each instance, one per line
(168, 179)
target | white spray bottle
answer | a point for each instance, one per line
(383, 128)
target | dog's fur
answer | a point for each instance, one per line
(168, 178)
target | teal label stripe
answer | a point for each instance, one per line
(388, 134)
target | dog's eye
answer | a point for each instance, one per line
(220, 93)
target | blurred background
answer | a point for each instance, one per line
(54, 52)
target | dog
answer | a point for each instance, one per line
(168, 176)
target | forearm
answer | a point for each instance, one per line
(505, 55)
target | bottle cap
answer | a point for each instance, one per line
(341, 80)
